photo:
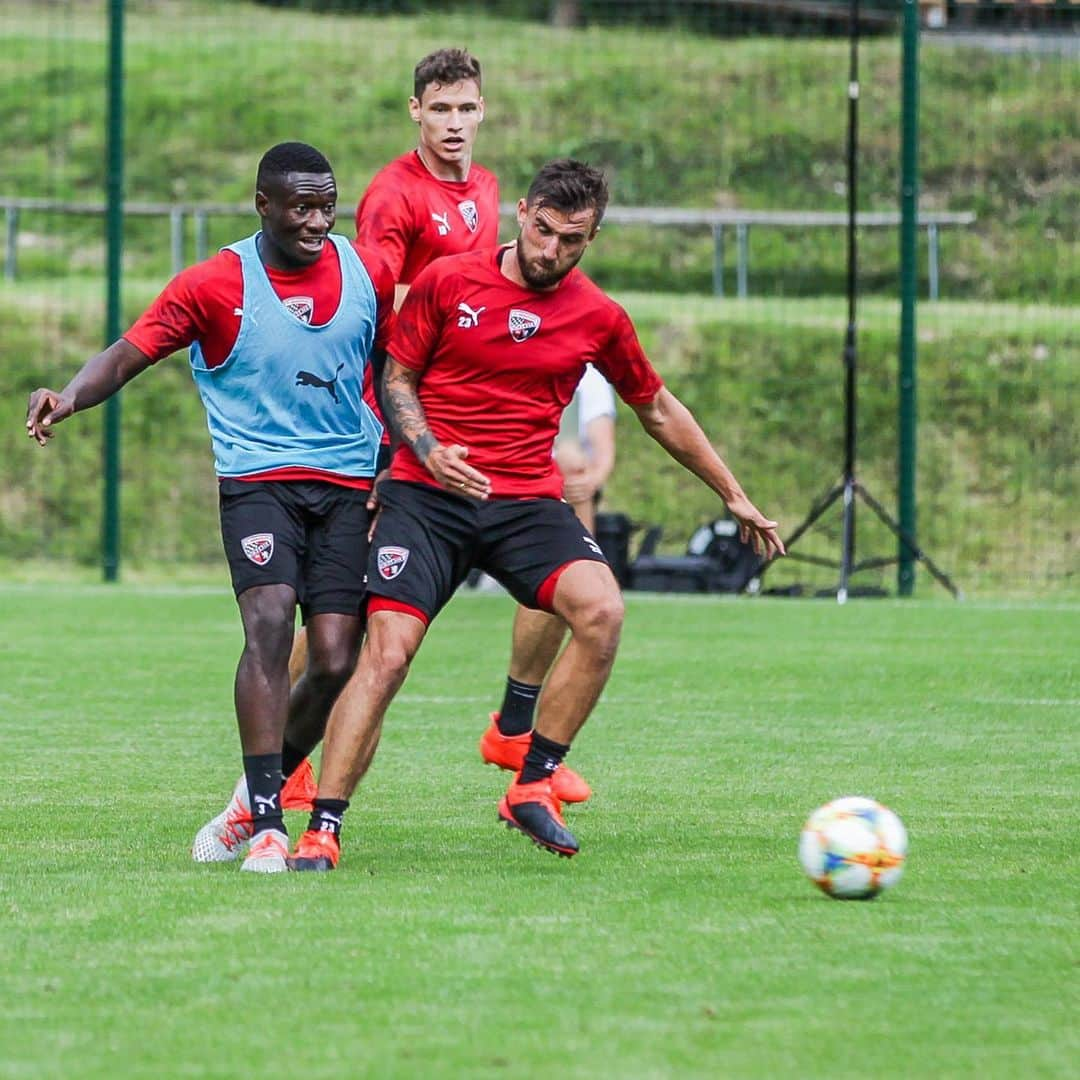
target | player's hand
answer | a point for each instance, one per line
(45, 409)
(447, 465)
(578, 486)
(373, 505)
(373, 495)
(756, 529)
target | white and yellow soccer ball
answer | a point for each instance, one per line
(853, 848)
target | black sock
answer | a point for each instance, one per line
(291, 758)
(519, 702)
(543, 758)
(264, 779)
(327, 814)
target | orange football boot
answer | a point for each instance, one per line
(508, 752)
(298, 792)
(315, 850)
(534, 810)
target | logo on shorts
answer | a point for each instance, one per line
(592, 544)
(391, 561)
(469, 214)
(522, 324)
(259, 547)
(301, 307)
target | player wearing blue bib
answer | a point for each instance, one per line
(282, 328)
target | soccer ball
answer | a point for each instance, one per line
(853, 848)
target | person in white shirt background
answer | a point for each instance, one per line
(585, 450)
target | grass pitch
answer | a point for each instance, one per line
(683, 941)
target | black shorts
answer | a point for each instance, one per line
(427, 540)
(309, 534)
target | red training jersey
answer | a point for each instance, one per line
(204, 303)
(500, 363)
(414, 218)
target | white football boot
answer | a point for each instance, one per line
(267, 853)
(223, 838)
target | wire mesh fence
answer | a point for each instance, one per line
(731, 114)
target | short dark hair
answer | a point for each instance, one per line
(445, 67)
(290, 157)
(569, 186)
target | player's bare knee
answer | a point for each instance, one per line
(332, 666)
(387, 657)
(600, 624)
(608, 609)
(611, 621)
(332, 651)
(268, 633)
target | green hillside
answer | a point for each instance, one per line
(677, 119)
(998, 420)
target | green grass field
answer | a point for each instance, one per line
(682, 942)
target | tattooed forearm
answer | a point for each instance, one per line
(423, 446)
(404, 413)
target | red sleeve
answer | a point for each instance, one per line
(384, 221)
(624, 364)
(199, 304)
(420, 321)
(383, 282)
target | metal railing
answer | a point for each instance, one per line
(717, 221)
(742, 220)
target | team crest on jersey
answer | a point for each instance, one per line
(523, 324)
(391, 561)
(469, 214)
(259, 547)
(300, 306)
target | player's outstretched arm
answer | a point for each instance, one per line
(99, 378)
(406, 418)
(673, 426)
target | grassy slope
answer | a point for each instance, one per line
(677, 119)
(998, 464)
(681, 942)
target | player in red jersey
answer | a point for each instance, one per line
(486, 355)
(434, 200)
(282, 327)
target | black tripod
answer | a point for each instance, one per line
(849, 487)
